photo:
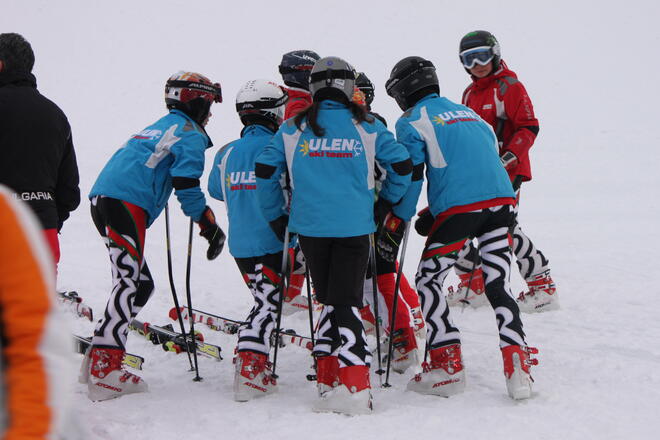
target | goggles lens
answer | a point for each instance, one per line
(478, 55)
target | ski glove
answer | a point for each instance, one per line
(382, 207)
(279, 226)
(212, 232)
(389, 238)
(424, 222)
(509, 160)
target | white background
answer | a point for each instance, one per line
(591, 69)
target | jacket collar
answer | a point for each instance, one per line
(18, 79)
(482, 83)
(256, 130)
(199, 127)
(330, 104)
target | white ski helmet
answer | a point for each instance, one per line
(332, 73)
(261, 99)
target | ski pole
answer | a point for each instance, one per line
(310, 312)
(374, 284)
(397, 284)
(169, 271)
(285, 255)
(197, 378)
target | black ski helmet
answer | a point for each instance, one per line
(481, 38)
(365, 85)
(296, 66)
(409, 76)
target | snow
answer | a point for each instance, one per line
(592, 207)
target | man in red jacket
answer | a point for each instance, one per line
(295, 68)
(502, 101)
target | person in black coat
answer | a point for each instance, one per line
(37, 158)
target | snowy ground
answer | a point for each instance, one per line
(592, 207)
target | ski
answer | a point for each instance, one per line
(129, 360)
(290, 337)
(174, 341)
(231, 326)
(75, 302)
(214, 322)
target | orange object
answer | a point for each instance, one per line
(31, 337)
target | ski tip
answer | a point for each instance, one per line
(173, 314)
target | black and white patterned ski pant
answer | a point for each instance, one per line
(340, 333)
(529, 258)
(490, 227)
(262, 276)
(123, 227)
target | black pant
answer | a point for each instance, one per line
(337, 267)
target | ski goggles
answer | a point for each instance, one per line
(481, 55)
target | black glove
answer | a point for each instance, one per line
(382, 207)
(424, 222)
(389, 238)
(212, 232)
(509, 160)
(279, 226)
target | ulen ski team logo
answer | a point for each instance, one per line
(241, 180)
(334, 148)
(454, 117)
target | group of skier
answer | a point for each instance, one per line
(317, 179)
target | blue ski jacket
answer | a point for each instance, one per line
(233, 180)
(460, 153)
(168, 154)
(332, 177)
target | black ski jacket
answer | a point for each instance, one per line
(37, 159)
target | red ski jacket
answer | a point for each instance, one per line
(502, 101)
(299, 100)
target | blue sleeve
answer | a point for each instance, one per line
(215, 179)
(189, 163)
(388, 152)
(415, 145)
(270, 164)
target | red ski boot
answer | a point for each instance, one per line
(474, 295)
(352, 397)
(253, 377)
(443, 376)
(107, 378)
(517, 363)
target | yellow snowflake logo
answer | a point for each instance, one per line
(304, 148)
(228, 181)
(438, 120)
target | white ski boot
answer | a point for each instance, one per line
(107, 379)
(443, 376)
(352, 397)
(517, 363)
(541, 296)
(253, 377)
(404, 350)
(474, 295)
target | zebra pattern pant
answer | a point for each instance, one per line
(490, 227)
(340, 333)
(122, 226)
(529, 258)
(263, 279)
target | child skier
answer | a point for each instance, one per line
(470, 196)
(128, 196)
(253, 244)
(329, 150)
